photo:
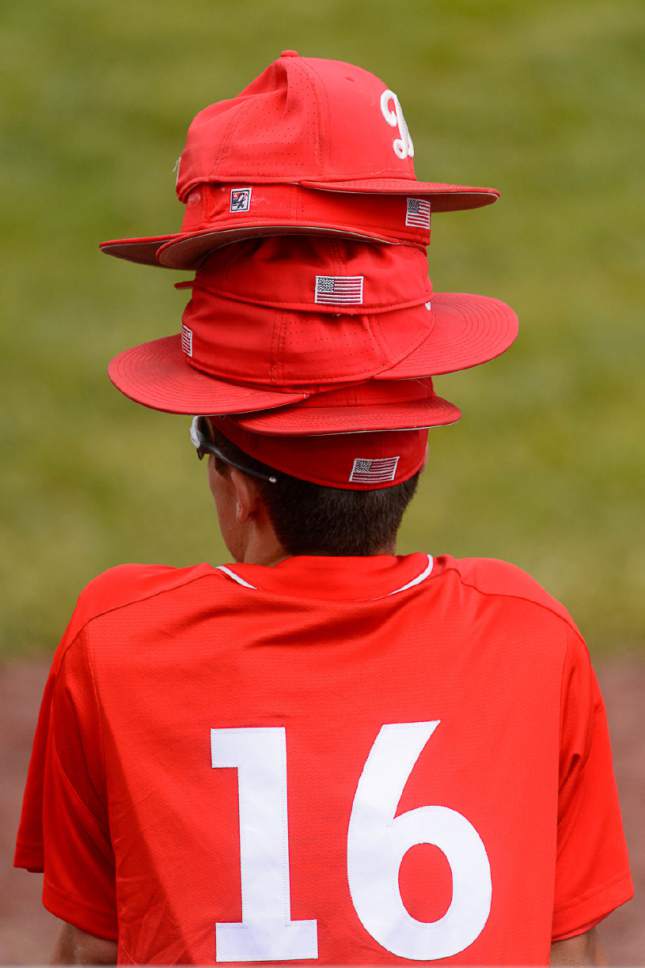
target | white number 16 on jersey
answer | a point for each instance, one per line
(377, 841)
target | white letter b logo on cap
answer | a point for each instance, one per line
(393, 114)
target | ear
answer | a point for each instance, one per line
(246, 494)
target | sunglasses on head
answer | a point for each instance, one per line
(201, 435)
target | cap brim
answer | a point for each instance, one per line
(157, 375)
(142, 250)
(187, 250)
(467, 330)
(444, 197)
(303, 420)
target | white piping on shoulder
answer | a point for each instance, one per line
(427, 571)
(237, 578)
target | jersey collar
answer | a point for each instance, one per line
(335, 578)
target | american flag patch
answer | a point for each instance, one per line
(186, 340)
(240, 199)
(339, 290)
(417, 213)
(367, 470)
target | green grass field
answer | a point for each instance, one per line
(543, 99)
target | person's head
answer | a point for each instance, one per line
(264, 520)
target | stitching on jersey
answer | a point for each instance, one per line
(60, 658)
(623, 878)
(105, 913)
(135, 601)
(569, 625)
(589, 895)
(520, 598)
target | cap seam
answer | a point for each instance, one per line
(317, 309)
(321, 93)
(233, 125)
(305, 69)
(277, 346)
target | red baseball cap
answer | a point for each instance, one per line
(308, 122)
(314, 122)
(216, 215)
(374, 405)
(296, 316)
(353, 462)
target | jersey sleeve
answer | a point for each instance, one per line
(592, 868)
(64, 827)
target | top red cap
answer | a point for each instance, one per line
(310, 146)
(318, 123)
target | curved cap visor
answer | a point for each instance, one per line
(188, 251)
(142, 250)
(156, 375)
(371, 406)
(468, 330)
(444, 196)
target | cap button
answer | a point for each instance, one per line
(289, 53)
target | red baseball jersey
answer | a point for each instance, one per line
(342, 760)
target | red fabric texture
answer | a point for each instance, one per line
(332, 461)
(138, 834)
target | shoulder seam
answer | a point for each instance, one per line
(521, 598)
(136, 601)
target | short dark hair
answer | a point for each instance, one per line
(310, 519)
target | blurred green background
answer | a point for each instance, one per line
(543, 99)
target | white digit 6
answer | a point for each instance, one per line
(377, 841)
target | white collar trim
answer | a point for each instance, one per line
(427, 571)
(235, 577)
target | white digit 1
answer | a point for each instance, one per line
(378, 840)
(266, 931)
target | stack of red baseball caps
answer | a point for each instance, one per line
(312, 332)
